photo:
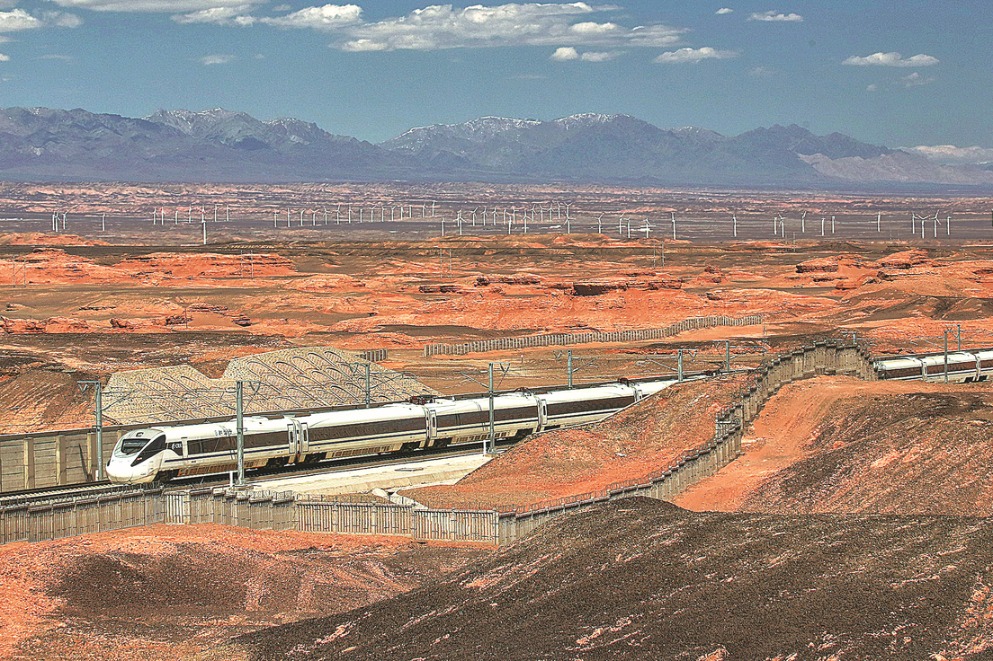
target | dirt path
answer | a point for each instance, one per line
(780, 437)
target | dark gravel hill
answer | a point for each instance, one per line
(641, 579)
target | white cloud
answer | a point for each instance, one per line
(439, 27)
(4, 58)
(597, 56)
(761, 72)
(219, 16)
(952, 155)
(776, 17)
(220, 58)
(873, 87)
(61, 19)
(916, 80)
(694, 55)
(18, 19)
(569, 53)
(165, 6)
(328, 17)
(57, 57)
(724, 10)
(591, 27)
(891, 60)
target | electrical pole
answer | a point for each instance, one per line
(958, 335)
(679, 366)
(727, 356)
(946, 355)
(492, 416)
(240, 429)
(368, 384)
(569, 366)
(98, 416)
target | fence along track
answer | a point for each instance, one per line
(287, 511)
(563, 339)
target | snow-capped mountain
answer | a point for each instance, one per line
(222, 145)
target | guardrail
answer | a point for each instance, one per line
(564, 339)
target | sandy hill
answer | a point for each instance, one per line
(644, 438)
(839, 445)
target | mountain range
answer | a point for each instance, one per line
(215, 146)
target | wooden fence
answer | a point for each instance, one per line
(78, 516)
(564, 339)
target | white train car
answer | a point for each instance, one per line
(468, 420)
(143, 455)
(963, 367)
(163, 453)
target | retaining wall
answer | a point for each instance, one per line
(564, 339)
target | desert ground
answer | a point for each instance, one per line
(854, 524)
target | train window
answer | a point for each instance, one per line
(371, 428)
(589, 405)
(131, 445)
(150, 450)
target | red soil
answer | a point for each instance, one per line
(836, 444)
(647, 437)
(113, 595)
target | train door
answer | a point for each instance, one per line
(304, 437)
(292, 440)
(432, 427)
(542, 414)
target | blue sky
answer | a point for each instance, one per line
(897, 73)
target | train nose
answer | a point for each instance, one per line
(120, 471)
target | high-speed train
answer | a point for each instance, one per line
(164, 452)
(963, 367)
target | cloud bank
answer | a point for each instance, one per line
(693, 55)
(891, 60)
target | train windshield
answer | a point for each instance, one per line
(133, 444)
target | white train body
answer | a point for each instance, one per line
(144, 455)
(963, 367)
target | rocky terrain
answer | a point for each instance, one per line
(169, 592)
(850, 528)
(164, 307)
(640, 579)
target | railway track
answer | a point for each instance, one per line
(56, 494)
(51, 494)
